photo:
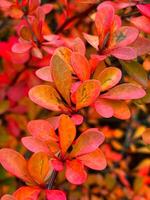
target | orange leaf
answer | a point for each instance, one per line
(46, 96)
(38, 167)
(109, 77)
(146, 136)
(94, 160)
(62, 77)
(67, 133)
(25, 193)
(80, 66)
(87, 93)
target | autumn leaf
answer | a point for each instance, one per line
(38, 167)
(87, 93)
(46, 96)
(15, 163)
(67, 133)
(87, 142)
(62, 77)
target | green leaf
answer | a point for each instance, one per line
(136, 71)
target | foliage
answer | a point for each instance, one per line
(74, 99)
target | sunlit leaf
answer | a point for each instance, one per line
(27, 193)
(75, 172)
(14, 163)
(67, 133)
(38, 167)
(87, 142)
(62, 77)
(125, 91)
(109, 77)
(80, 66)
(87, 93)
(46, 96)
(55, 194)
(94, 160)
(42, 129)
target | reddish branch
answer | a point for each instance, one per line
(75, 17)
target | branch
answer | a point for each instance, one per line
(77, 16)
(52, 179)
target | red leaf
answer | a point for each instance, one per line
(142, 23)
(87, 142)
(78, 119)
(94, 160)
(57, 165)
(104, 108)
(126, 35)
(125, 91)
(42, 129)
(21, 47)
(45, 73)
(14, 163)
(92, 40)
(142, 46)
(80, 66)
(75, 172)
(35, 145)
(104, 19)
(144, 9)
(55, 195)
(124, 53)
(79, 46)
(108, 108)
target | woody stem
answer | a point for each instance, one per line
(52, 179)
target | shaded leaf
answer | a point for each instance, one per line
(136, 71)
(146, 136)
